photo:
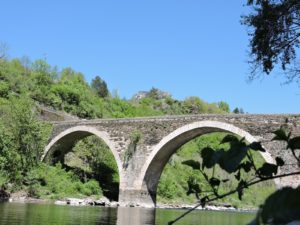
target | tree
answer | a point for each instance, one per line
(238, 110)
(274, 36)
(224, 106)
(22, 137)
(100, 87)
(91, 159)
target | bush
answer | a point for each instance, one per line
(52, 182)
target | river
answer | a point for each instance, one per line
(49, 214)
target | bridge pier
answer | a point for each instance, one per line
(135, 197)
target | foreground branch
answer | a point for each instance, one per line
(232, 192)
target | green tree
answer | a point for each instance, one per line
(22, 136)
(238, 110)
(92, 159)
(100, 87)
(274, 36)
(194, 105)
(224, 106)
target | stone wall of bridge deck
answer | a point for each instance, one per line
(155, 128)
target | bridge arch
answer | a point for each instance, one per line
(70, 136)
(156, 161)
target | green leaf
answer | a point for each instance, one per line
(279, 161)
(280, 135)
(238, 175)
(231, 159)
(257, 146)
(282, 207)
(246, 166)
(214, 181)
(225, 180)
(229, 139)
(242, 184)
(192, 163)
(210, 157)
(203, 201)
(267, 170)
(193, 186)
(294, 143)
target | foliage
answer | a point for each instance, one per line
(22, 137)
(65, 90)
(275, 35)
(51, 182)
(91, 159)
(241, 161)
(224, 106)
(238, 110)
(195, 105)
(280, 208)
(135, 137)
(68, 91)
(100, 87)
(173, 183)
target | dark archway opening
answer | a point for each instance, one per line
(88, 160)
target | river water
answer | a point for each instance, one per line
(44, 214)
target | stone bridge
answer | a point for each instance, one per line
(161, 137)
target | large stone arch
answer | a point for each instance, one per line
(156, 161)
(69, 137)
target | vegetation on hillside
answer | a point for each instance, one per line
(67, 90)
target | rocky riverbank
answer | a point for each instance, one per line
(224, 207)
(87, 201)
(22, 197)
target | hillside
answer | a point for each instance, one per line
(67, 90)
(31, 91)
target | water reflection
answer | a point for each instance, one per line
(42, 214)
(37, 214)
(135, 216)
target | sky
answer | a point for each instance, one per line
(187, 48)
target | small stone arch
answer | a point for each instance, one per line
(69, 137)
(156, 161)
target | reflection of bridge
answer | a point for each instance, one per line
(160, 138)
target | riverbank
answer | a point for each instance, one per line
(212, 207)
(21, 197)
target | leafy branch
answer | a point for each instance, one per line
(237, 160)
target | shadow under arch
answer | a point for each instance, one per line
(68, 138)
(155, 163)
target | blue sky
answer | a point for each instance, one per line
(187, 48)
